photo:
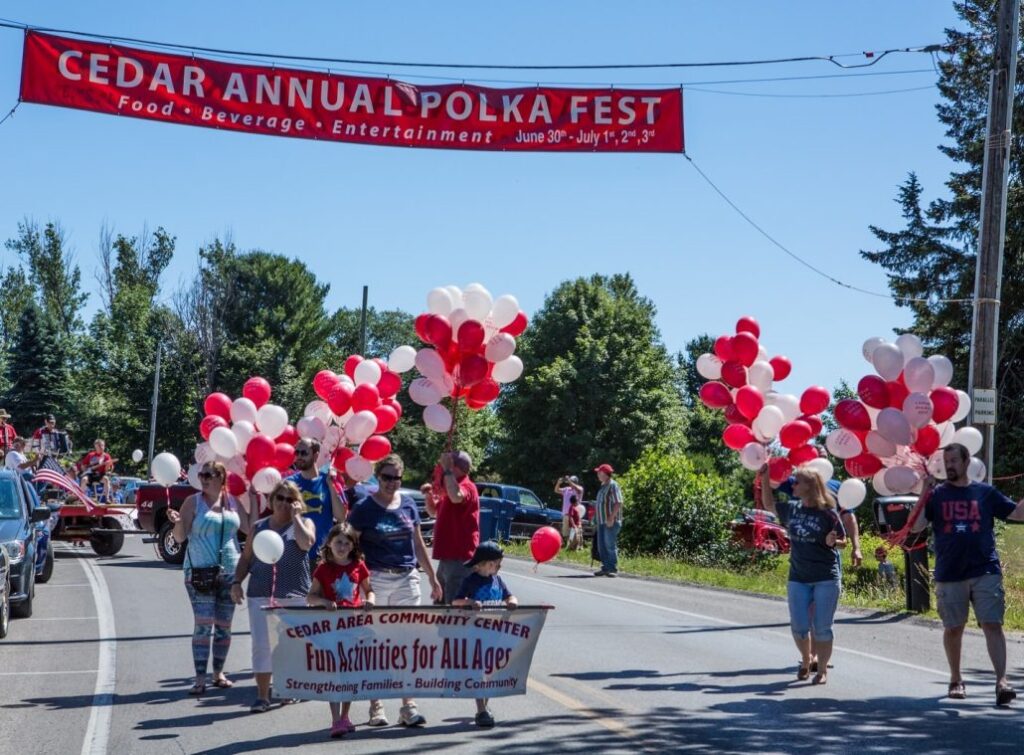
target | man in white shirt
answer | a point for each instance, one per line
(16, 458)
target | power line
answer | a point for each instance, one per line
(809, 96)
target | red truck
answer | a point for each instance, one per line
(151, 502)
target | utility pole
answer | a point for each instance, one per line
(362, 322)
(156, 401)
(992, 233)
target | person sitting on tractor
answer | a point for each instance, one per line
(94, 467)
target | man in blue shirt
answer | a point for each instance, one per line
(967, 569)
(324, 505)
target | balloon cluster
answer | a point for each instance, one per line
(249, 435)
(893, 433)
(740, 382)
(354, 411)
(470, 352)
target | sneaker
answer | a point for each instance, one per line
(600, 573)
(338, 729)
(1005, 695)
(347, 723)
(484, 719)
(611, 574)
(377, 716)
(409, 715)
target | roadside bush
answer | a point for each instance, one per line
(677, 505)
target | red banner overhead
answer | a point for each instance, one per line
(120, 80)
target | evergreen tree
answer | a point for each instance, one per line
(35, 371)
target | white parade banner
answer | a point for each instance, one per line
(425, 651)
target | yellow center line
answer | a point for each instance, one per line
(575, 705)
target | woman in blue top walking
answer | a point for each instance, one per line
(210, 522)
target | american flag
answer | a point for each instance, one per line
(65, 483)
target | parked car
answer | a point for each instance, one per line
(19, 538)
(757, 529)
(529, 512)
(5, 593)
(44, 543)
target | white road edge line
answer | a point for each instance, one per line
(97, 733)
(44, 673)
(726, 622)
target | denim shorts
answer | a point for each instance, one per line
(824, 596)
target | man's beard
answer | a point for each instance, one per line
(952, 475)
(305, 463)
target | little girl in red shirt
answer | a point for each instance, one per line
(338, 579)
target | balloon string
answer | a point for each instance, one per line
(273, 585)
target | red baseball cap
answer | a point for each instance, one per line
(606, 468)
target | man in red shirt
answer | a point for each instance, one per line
(7, 432)
(457, 527)
(95, 465)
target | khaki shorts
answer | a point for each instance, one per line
(985, 592)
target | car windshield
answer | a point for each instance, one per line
(10, 506)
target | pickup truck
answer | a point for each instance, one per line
(151, 505)
(530, 512)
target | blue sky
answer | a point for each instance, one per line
(813, 171)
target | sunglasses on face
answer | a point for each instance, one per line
(390, 478)
(284, 498)
(208, 476)
(303, 452)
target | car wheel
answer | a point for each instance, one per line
(47, 572)
(770, 546)
(5, 609)
(170, 550)
(107, 543)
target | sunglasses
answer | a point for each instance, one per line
(303, 452)
(208, 475)
(390, 478)
(285, 498)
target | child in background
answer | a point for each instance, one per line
(886, 569)
(338, 579)
(485, 588)
(575, 524)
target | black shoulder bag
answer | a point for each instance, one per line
(204, 578)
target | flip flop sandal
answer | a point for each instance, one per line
(197, 689)
(820, 678)
(223, 683)
(958, 691)
(1004, 695)
(814, 665)
(802, 673)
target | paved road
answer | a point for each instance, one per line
(623, 666)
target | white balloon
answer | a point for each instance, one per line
(919, 375)
(439, 302)
(265, 480)
(500, 347)
(910, 345)
(223, 442)
(243, 410)
(879, 445)
(788, 404)
(204, 453)
(137, 455)
(360, 427)
(769, 421)
(236, 464)
(193, 475)
(243, 432)
(358, 468)
(268, 546)
(888, 360)
(943, 370)
(333, 436)
(477, 302)
(425, 392)
(894, 426)
(963, 409)
(851, 493)
(753, 456)
(946, 432)
(976, 470)
(900, 480)
(437, 418)
(402, 359)
(456, 293)
(878, 483)
(429, 363)
(165, 469)
(917, 408)
(318, 409)
(311, 427)
(367, 371)
(843, 444)
(868, 349)
(508, 370)
(970, 438)
(760, 374)
(822, 467)
(271, 419)
(504, 310)
(457, 317)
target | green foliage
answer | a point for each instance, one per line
(35, 372)
(678, 506)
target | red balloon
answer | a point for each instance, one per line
(439, 331)
(897, 393)
(545, 544)
(284, 455)
(715, 395)
(815, 400)
(733, 416)
(852, 415)
(342, 455)
(209, 424)
(781, 367)
(289, 436)
(744, 349)
(375, 448)
(471, 335)
(389, 384)
(779, 468)
(723, 348)
(863, 465)
(749, 401)
(340, 398)
(748, 324)
(737, 436)
(219, 405)
(350, 365)
(484, 392)
(795, 434)
(380, 362)
(945, 402)
(814, 422)
(874, 392)
(323, 382)
(928, 439)
(802, 455)
(365, 397)
(236, 484)
(257, 390)
(394, 404)
(517, 326)
(472, 369)
(387, 418)
(420, 326)
(734, 373)
(260, 451)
